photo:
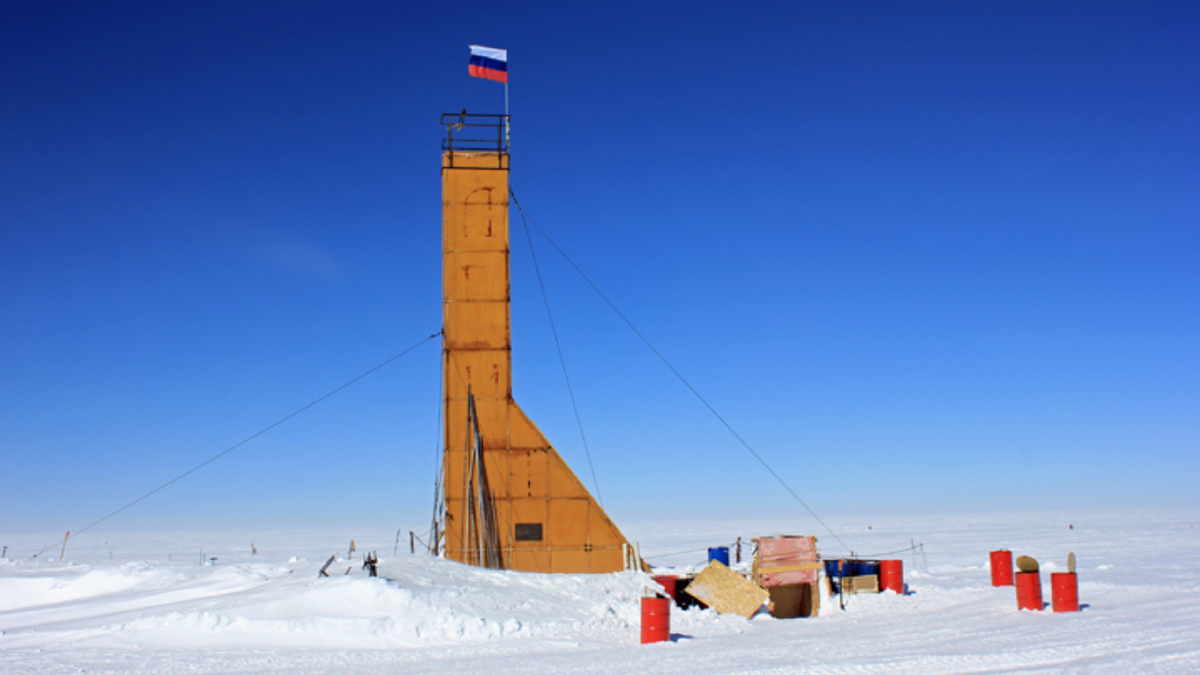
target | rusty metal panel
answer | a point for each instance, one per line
(529, 561)
(476, 276)
(474, 203)
(605, 559)
(476, 325)
(529, 475)
(531, 511)
(459, 236)
(570, 561)
(569, 522)
(524, 433)
(604, 534)
(564, 484)
(490, 416)
(486, 372)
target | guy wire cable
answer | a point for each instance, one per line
(677, 373)
(561, 359)
(240, 443)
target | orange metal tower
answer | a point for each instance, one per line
(510, 500)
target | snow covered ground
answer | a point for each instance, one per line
(144, 603)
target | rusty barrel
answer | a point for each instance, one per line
(1029, 590)
(1002, 568)
(669, 584)
(656, 620)
(891, 576)
(1064, 592)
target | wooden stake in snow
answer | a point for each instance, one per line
(632, 554)
(329, 562)
(64, 551)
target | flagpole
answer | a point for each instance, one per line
(507, 136)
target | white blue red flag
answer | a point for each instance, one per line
(488, 63)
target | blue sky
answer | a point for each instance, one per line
(922, 256)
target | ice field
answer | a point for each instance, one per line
(143, 602)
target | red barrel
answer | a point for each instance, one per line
(668, 583)
(1002, 569)
(1029, 590)
(891, 575)
(1064, 592)
(656, 620)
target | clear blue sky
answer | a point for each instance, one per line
(922, 256)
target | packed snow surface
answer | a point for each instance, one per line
(147, 603)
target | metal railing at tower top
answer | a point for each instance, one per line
(472, 132)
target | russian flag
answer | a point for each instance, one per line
(488, 63)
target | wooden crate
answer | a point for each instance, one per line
(786, 560)
(863, 584)
(791, 601)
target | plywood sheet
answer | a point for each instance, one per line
(726, 591)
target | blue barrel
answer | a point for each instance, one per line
(720, 553)
(866, 568)
(837, 568)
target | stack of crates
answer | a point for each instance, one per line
(851, 575)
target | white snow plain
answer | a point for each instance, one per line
(141, 602)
